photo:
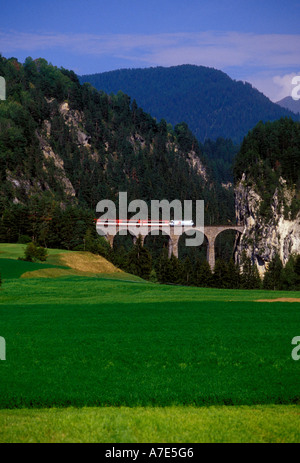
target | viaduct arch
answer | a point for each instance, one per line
(210, 232)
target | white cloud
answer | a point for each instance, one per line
(225, 48)
(285, 84)
(269, 58)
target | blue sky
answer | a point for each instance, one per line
(254, 40)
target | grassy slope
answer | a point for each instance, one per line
(60, 263)
(10, 268)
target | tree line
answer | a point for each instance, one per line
(270, 159)
(140, 261)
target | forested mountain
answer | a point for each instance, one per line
(65, 146)
(220, 155)
(289, 103)
(267, 188)
(270, 154)
(209, 101)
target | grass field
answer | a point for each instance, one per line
(172, 354)
(260, 423)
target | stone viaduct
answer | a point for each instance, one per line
(210, 232)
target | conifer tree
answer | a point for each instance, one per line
(289, 278)
(250, 278)
(220, 275)
(272, 277)
(203, 276)
(164, 271)
(234, 276)
(140, 260)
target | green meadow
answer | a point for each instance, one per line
(176, 424)
(105, 358)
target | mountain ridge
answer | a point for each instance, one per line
(208, 100)
(289, 103)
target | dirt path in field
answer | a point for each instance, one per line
(280, 299)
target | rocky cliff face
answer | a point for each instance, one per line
(263, 237)
(55, 176)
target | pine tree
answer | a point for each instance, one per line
(250, 278)
(272, 277)
(174, 273)
(220, 275)
(234, 276)
(140, 260)
(164, 270)
(153, 276)
(297, 265)
(187, 271)
(289, 278)
(203, 276)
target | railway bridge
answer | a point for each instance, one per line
(210, 232)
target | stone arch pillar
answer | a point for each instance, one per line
(211, 256)
(173, 245)
(211, 234)
(110, 239)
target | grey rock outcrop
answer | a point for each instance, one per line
(264, 237)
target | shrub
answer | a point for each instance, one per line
(34, 253)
